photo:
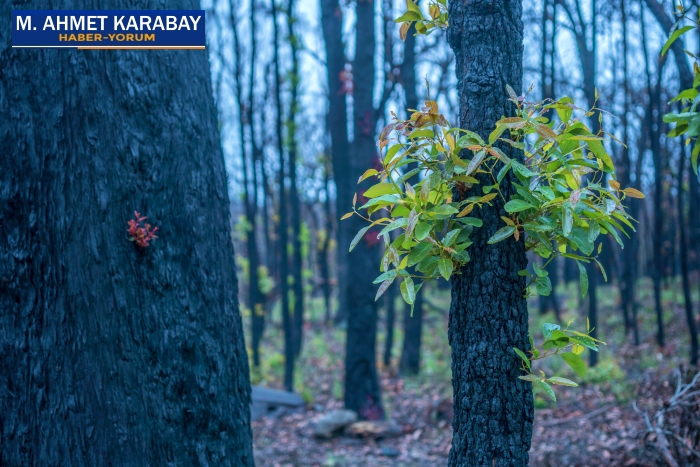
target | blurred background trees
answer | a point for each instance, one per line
(304, 88)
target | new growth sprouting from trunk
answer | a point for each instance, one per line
(493, 408)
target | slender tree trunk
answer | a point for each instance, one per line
(627, 267)
(324, 260)
(297, 260)
(413, 335)
(657, 231)
(488, 317)
(412, 325)
(690, 318)
(390, 301)
(114, 354)
(283, 221)
(362, 392)
(337, 126)
(258, 310)
(254, 295)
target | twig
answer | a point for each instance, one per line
(562, 421)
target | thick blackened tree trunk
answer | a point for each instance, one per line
(362, 392)
(337, 126)
(493, 409)
(114, 354)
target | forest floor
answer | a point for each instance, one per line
(591, 425)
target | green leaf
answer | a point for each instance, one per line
(450, 237)
(502, 173)
(422, 230)
(445, 268)
(382, 288)
(387, 275)
(408, 290)
(409, 16)
(584, 278)
(474, 221)
(474, 163)
(400, 222)
(532, 378)
(358, 237)
(560, 339)
(584, 341)
(524, 358)
(593, 231)
(548, 329)
(544, 286)
(568, 220)
(495, 134)
(547, 388)
(413, 7)
(379, 190)
(517, 205)
(391, 152)
(469, 135)
(575, 362)
(676, 34)
(444, 211)
(419, 252)
(502, 234)
(562, 381)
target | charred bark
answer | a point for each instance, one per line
(114, 354)
(488, 317)
(337, 127)
(283, 220)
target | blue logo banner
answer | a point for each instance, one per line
(109, 29)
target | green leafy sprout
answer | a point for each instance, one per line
(565, 197)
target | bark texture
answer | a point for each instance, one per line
(114, 355)
(488, 317)
(362, 392)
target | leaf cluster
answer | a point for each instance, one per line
(563, 343)
(565, 192)
(436, 19)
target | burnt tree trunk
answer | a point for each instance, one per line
(682, 226)
(114, 354)
(493, 409)
(362, 393)
(628, 263)
(390, 302)
(250, 199)
(337, 127)
(297, 260)
(412, 325)
(655, 146)
(413, 335)
(283, 220)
